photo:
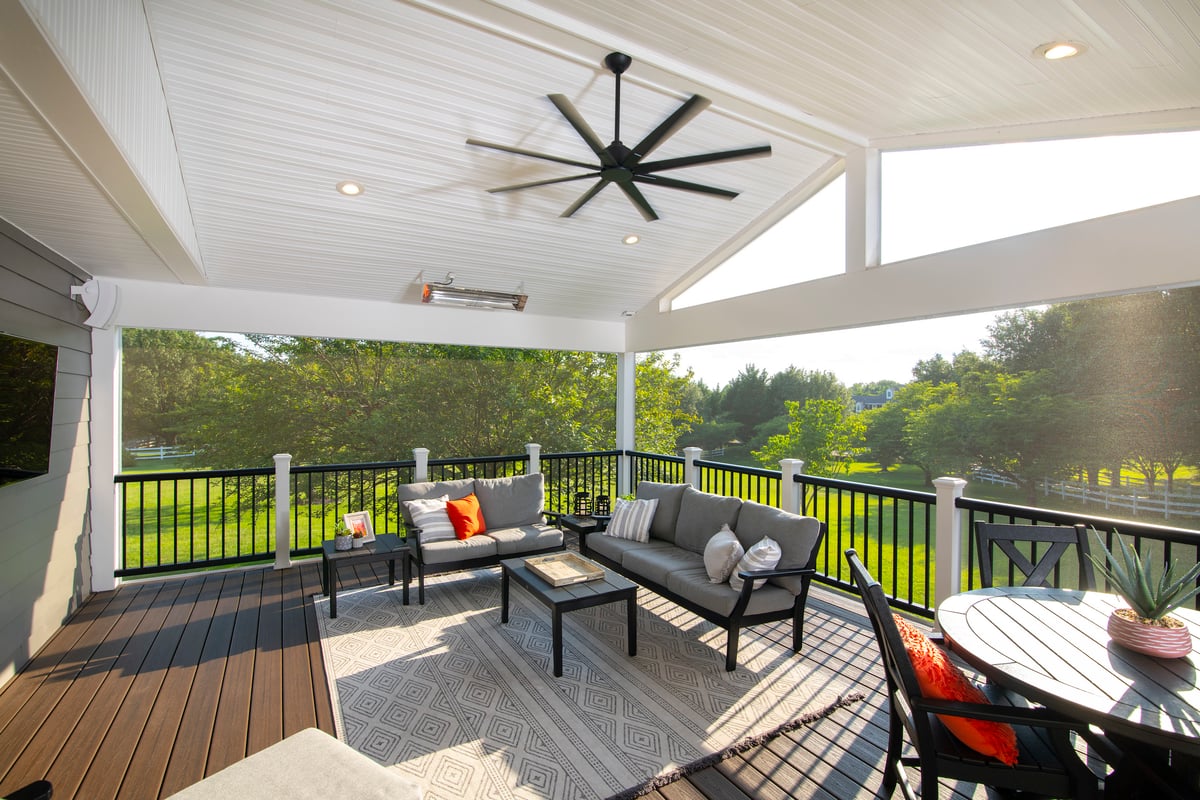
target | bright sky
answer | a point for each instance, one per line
(935, 200)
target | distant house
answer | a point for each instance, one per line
(865, 402)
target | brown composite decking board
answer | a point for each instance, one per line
(151, 686)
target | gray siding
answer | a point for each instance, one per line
(44, 525)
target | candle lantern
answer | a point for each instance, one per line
(583, 504)
(602, 506)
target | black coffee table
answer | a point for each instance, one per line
(386, 547)
(611, 588)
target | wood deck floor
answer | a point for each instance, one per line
(149, 688)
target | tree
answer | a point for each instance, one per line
(890, 433)
(748, 400)
(162, 371)
(820, 432)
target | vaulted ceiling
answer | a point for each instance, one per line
(199, 141)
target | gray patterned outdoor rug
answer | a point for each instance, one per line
(468, 708)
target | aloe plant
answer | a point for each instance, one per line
(1131, 578)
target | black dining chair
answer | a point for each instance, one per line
(1045, 546)
(1048, 764)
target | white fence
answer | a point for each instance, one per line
(1182, 502)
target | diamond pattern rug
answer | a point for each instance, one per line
(469, 708)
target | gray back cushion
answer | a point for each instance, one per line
(796, 536)
(701, 515)
(667, 514)
(423, 491)
(509, 502)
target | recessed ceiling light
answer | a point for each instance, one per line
(632, 238)
(350, 188)
(1056, 51)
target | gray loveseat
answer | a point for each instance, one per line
(671, 563)
(513, 510)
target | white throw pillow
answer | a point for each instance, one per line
(721, 555)
(631, 519)
(763, 555)
(431, 517)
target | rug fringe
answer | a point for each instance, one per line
(748, 743)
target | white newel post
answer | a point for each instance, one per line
(948, 544)
(421, 471)
(789, 491)
(690, 473)
(626, 408)
(283, 510)
(535, 457)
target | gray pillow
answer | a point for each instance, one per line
(796, 536)
(510, 502)
(701, 516)
(455, 490)
(666, 516)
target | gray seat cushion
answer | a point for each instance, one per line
(305, 766)
(511, 502)
(701, 515)
(510, 541)
(796, 536)
(615, 549)
(666, 515)
(478, 546)
(423, 491)
(692, 584)
(656, 563)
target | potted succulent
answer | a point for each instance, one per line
(1146, 626)
(341, 537)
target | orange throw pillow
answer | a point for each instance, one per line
(466, 517)
(940, 679)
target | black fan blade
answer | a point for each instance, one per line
(639, 200)
(682, 116)
(671, 183)
(706, 158)
(518, 151)
(582, 128)
(546, 182)
(588, 195)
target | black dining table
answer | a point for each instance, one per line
(1052, 646)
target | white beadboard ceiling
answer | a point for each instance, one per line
(272, 102)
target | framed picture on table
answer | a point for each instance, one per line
(360, 522)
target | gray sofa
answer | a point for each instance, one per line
(515, 517)
(671, 563)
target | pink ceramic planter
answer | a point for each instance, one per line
(1150, 639)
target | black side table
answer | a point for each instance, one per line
(386, 547)
(583, 526)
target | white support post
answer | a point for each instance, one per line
(535, 457)
(421, 471)
(863, 190)
(789, 490)
(626, 392)
(690, 473)
(948, 544)
(105, 434)
(283, 510)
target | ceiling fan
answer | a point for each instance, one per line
(625, 166)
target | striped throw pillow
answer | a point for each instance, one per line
(764, 555)
(431, 517)
(631, 519)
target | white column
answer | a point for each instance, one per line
(789, 490)
(105, 458)
(690, 473)
(421, 472)
(535, 457)
(948, 543)
(283, 510)
(626, 392)
(863, 187)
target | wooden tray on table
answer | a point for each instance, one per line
(564, 569)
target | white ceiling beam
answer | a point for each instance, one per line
(863, 209)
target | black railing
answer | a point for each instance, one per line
(892, 530)
(568, 474)
(655, 467)
(322, 495)
(450, 469)
(747, 483)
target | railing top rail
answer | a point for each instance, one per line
(1165, 532)
(657, 456)
(450, 462)
(837, 483)
(194, 474)
(356, 467)
(757, 471)
(585, 454)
